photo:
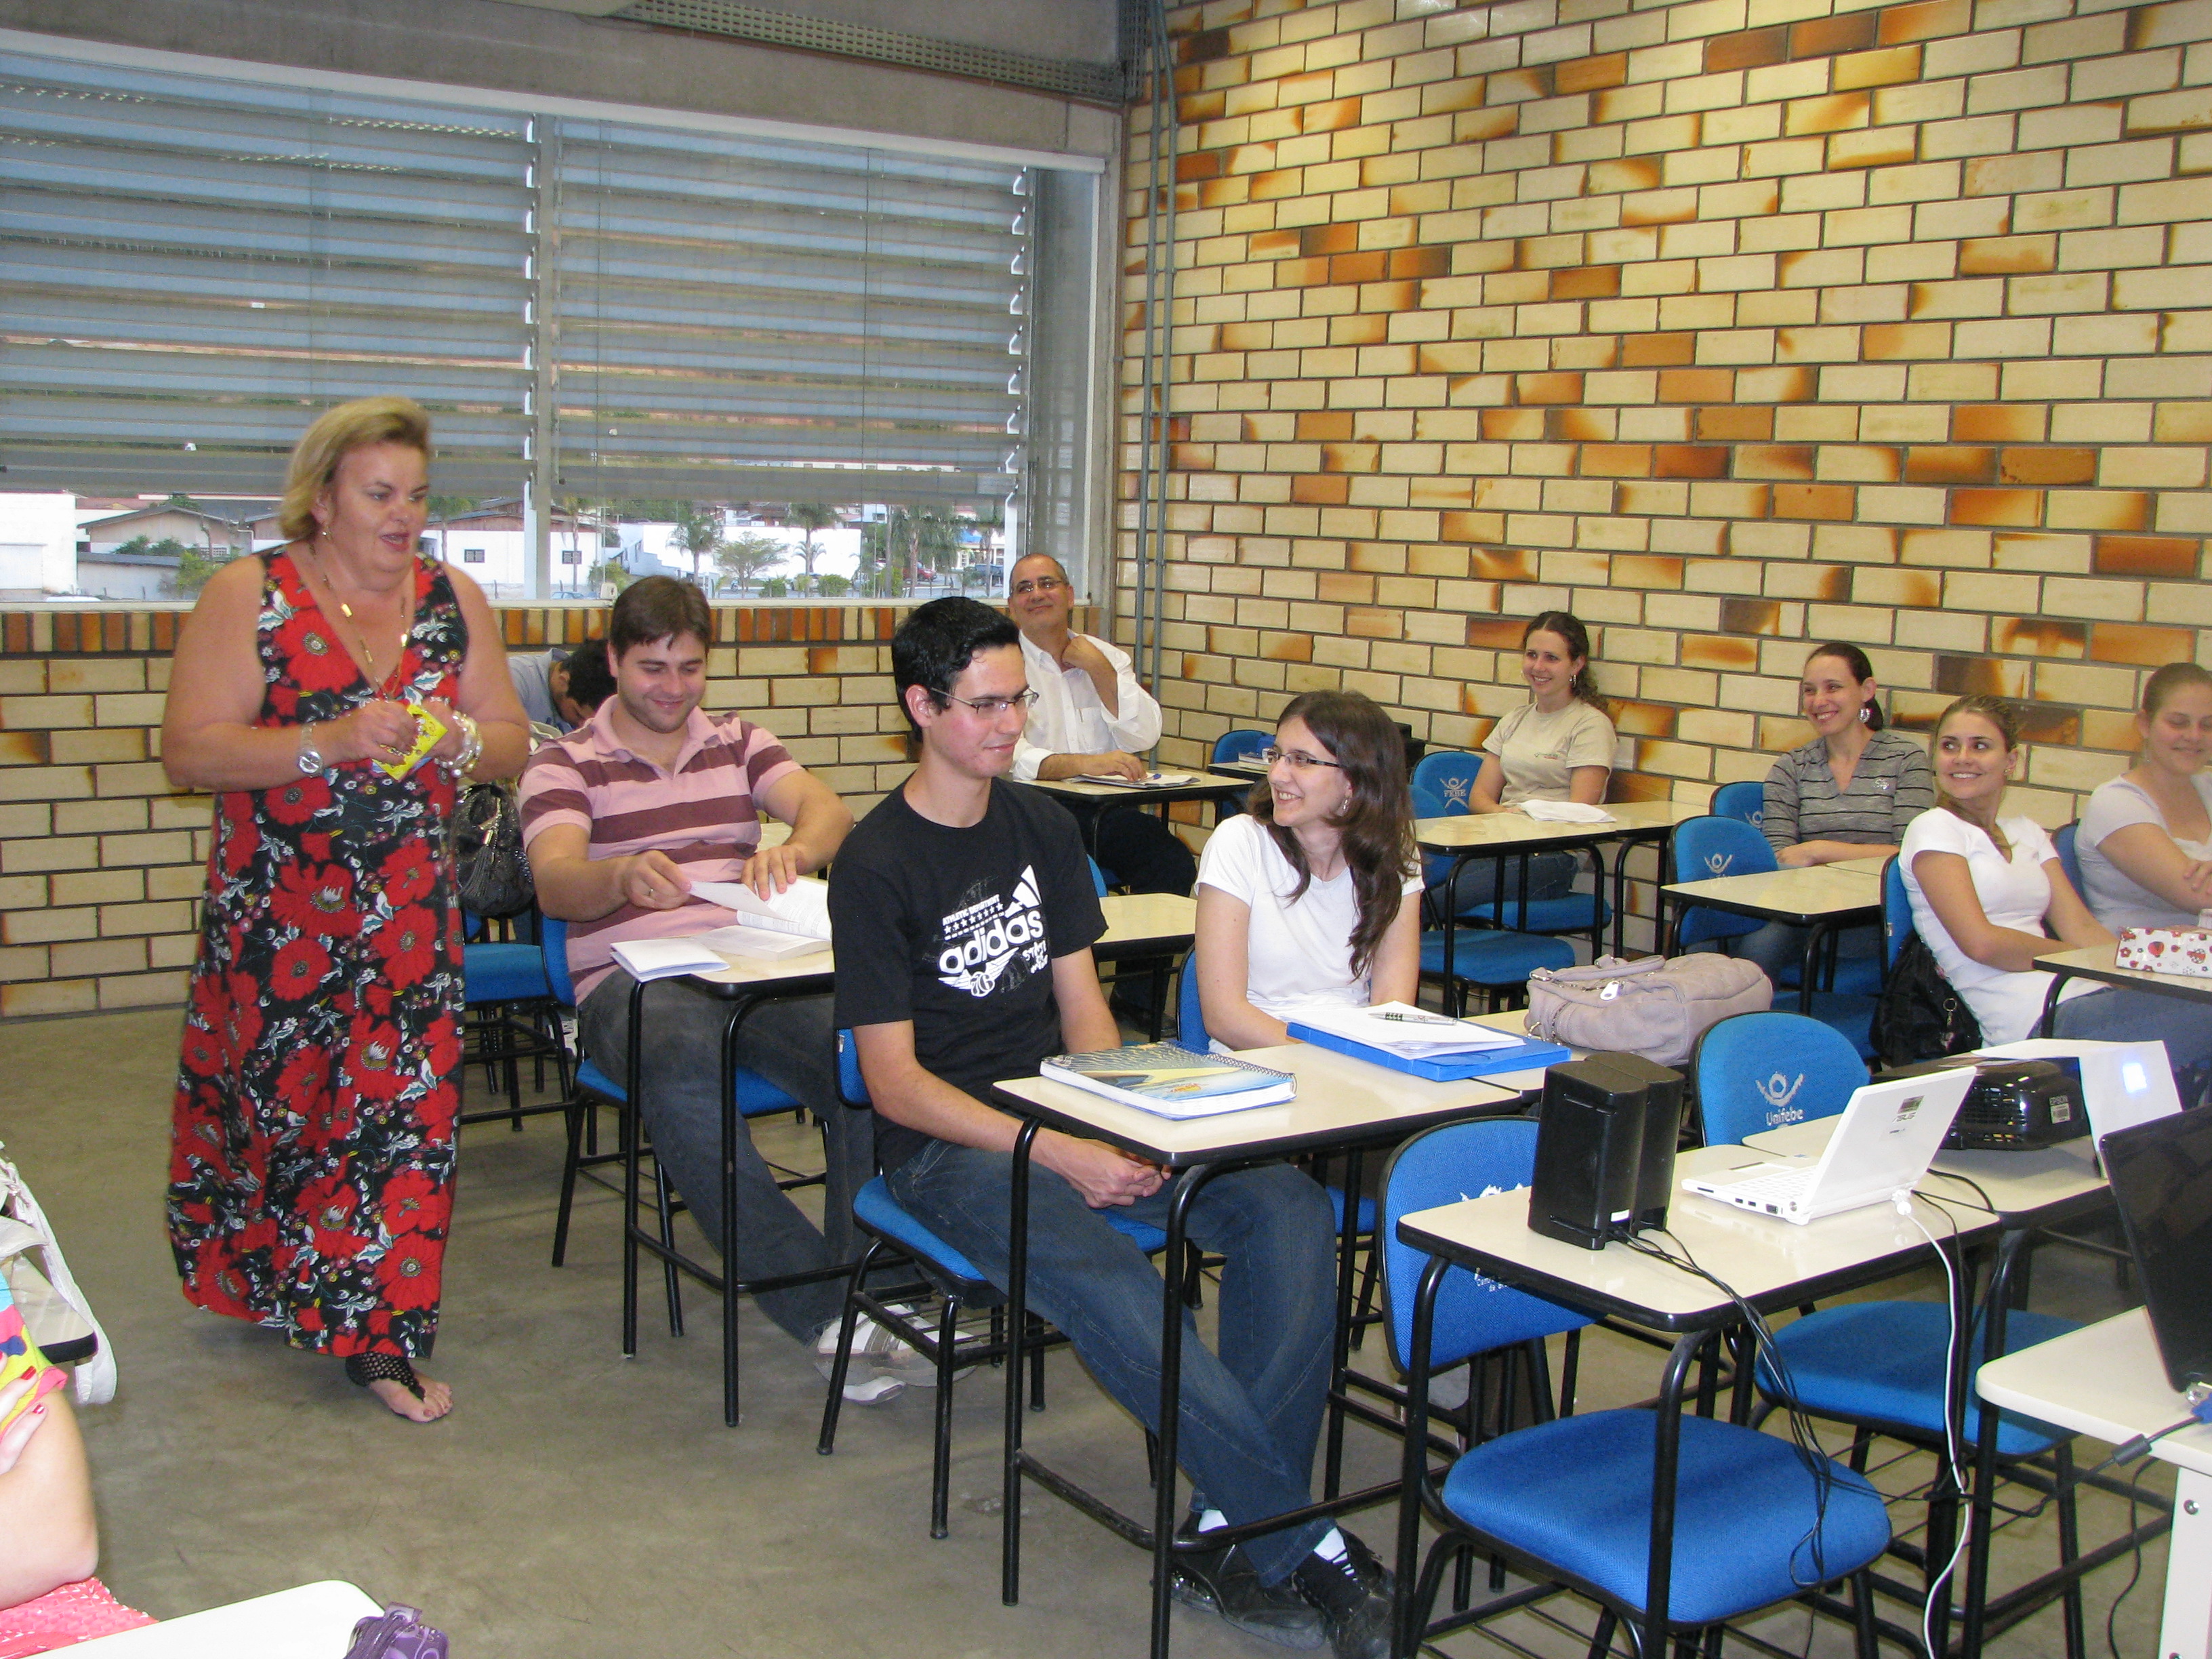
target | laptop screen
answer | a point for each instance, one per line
(2161, 1175)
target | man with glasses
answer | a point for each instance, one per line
(1090, 716)
(964, 919)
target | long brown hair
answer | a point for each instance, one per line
(1569, 628)
(1376, 822)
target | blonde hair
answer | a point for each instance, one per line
(336, 433)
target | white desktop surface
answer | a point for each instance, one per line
(1759, 1256)
(2016, 1182)
(2106, 1380)
(1339, 1100)
(2101, 962)
(1131, 918)
(1816, 890)
(313, 1621)
(1203, 781)
(1462, 831)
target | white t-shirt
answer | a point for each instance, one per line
(1540, 752)
(2013, 894)
(2115, 898)
(1296, 955)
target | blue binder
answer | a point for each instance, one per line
(1525, 1055)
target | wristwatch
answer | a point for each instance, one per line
(311, 758)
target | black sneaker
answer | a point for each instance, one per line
(1353, 1598)
(1221, 1580)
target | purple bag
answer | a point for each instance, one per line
(398, 1632)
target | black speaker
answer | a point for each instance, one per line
(1662, 1131)
(1589, 1139)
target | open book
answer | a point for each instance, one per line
(1416, 1032)
(802, 908)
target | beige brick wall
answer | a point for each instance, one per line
(1730, 325)
(101, 862)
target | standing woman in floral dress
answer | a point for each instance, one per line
(311, 1175)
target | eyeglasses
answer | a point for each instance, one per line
(1300, 761)
(991, 707)
(1040, 585)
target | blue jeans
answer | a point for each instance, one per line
(1250, 1416)
(2118, 1013)
(791, 1043)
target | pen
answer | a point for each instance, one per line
(1418, 1020)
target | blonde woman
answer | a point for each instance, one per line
(311, 1177)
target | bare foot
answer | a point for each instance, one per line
(436, 1400)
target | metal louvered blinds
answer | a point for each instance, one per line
(752, 318)
(192, 266)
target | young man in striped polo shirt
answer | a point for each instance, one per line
(620, 817)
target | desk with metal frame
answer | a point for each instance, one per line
(1344, 1105)
(1466, 836)
(2026, 1191)
(1823, 899)
(1136, 924)
(1772, 1264)
(2106, 1380)
(2097, 962)
(1090, 802)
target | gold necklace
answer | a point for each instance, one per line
(368, 657)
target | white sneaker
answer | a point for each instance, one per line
(883, 1350)
(876, 1390)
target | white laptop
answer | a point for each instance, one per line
(1883, 1144)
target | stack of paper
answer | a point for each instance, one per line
(1150, 781)
(1417, 1033)
(666, 959)
(1564, 812)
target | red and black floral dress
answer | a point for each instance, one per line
(312, 1171)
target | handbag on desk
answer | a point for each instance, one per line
(1654, 1006)
(1919, 1016)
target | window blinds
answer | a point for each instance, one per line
(192, 267)
(743, 318)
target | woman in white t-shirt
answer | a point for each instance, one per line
(1556, 746)
(1985, 889)
(1312, 896)
(2145, 843)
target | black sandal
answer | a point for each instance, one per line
(363, 1369)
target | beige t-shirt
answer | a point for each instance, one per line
(1540, 752)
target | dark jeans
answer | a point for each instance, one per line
(790, 1043)
(1551, 875)
(1250, 1415)
(1138, 851)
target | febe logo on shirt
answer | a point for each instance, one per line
(986, 939)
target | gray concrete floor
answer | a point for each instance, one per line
(577, 1504)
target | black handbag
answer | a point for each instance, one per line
(1919, 1016)
(490, 866)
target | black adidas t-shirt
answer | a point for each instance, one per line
(956, 930)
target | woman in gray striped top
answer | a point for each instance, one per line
(1848, 794)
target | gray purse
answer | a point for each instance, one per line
(1654, 1006)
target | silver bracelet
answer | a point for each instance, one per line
(472, 749)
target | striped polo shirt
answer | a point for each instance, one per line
(703, 815)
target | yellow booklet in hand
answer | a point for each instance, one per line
(20, 1357)
(428, 728)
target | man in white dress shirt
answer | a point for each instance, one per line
(1090, 716)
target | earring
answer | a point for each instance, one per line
(1866, 711)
